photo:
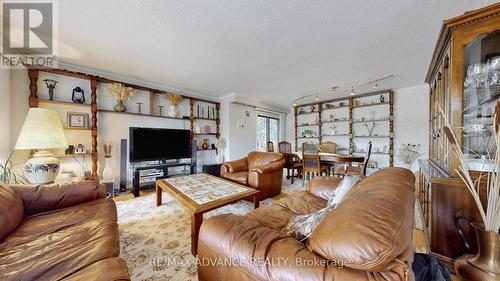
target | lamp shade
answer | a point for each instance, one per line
(42, 129)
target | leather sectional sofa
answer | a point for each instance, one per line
(259, 170)
(59, 232)
(367, 237)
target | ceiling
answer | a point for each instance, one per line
(270, 51)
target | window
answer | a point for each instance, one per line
(268, 129)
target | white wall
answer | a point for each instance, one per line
(242, 130)
(411, 120)
(4, 114)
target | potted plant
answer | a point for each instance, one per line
(484, 265)
(9, 176)
(121, 94)
(174, 99)
(307, 133)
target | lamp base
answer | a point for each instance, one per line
(42, 168)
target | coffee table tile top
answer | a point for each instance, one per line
(203, 188)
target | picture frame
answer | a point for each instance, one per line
(77, 120)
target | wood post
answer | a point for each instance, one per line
(93, 108)
(33, 76)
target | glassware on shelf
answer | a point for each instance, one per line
(480, 94)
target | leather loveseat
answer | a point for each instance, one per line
(59, 232)
(367, 237)
(259, 170)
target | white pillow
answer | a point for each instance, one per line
(344, 187)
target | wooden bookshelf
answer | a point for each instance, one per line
(351, 103)
(34, 101)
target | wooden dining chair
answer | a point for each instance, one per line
(270, 146)
(311, 162)
(292, 160)
(284, 147)
(361, 169)
(328, 147)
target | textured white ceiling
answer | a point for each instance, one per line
(268, 50)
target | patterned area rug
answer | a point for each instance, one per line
(149, 235)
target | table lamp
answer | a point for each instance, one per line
(42, 130)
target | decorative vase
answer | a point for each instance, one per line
(107, 172)
(173, 111)
(220, 156)
(42, 168)
(120, 107)
(205, 144)
(485, 265)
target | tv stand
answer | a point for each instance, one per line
(162, 172)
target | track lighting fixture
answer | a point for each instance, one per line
(352, 91)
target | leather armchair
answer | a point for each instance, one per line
(259, 170)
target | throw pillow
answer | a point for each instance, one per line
(302, 226)
(11, 211)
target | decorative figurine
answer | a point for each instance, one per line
(51, 85)
(382, 98)
(78, 95)
(139, 107)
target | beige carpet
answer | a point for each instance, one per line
(149, 235)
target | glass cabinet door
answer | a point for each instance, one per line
(481, 91)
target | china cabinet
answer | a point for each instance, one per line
(464, 80)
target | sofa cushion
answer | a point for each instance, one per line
(75, 237)
(107, 269)
(239, 177)
(11, 211)
(40, 198)
(372, 226)
(256, 159)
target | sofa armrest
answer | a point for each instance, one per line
(46, 197)
(236, 165)
(270, 167)
(235, 246)
(323, 187)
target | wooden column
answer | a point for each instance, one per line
(391, 128)
(33, 76)
(295, 128)
(351, 135)
(93, 108)
(217, 119)
(191, 117)
(152, 103)
(320, 134)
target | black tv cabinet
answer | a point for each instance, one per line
(164, 167)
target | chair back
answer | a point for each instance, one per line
(310, 158)
(285, 147)
(328, 147)
(270, 146)
(309, 148)
(367, 158)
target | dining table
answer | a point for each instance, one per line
(337, 158)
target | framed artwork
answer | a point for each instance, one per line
(78, 120)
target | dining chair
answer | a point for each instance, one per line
(311, 162)
(270, 146)
(329, 147)
(284, 147)
(292, 160)
(361, 169)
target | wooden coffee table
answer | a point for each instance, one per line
(201, 193)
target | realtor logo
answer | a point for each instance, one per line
(28, 34)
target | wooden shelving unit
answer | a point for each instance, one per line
(34, 101)
(350, 104)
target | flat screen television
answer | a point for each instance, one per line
(148, 144)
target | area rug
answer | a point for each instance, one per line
(149, 235)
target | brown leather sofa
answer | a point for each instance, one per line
(59, 232)
(367, 237)
(260, 170)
